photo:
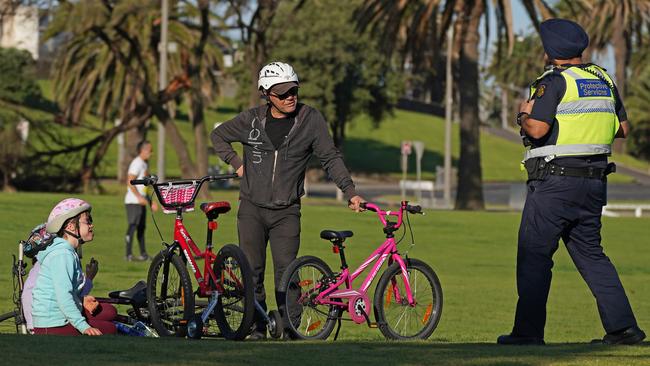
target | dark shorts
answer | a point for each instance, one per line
(135, 213)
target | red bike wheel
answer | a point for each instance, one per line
(236, 306)
(169, 295)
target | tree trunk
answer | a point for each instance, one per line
(255, 64)
(184, 160)
(132, 136)
(86, 176)
(505, 111)
(198, 123)
(338, 134)
(88, 169)
(6, 186)
(200, 139)
(258, 43)
(621, 55)
(470, 185)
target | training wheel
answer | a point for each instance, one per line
(275, 325)
(195, 327)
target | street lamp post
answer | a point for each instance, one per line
(162, 84)
(448, 114)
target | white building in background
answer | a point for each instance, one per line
(20, 30)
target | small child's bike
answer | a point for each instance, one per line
(226, 280)
(407, 301)
(18, 270)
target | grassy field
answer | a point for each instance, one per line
(473, 253)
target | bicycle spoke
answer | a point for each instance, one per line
(232, 298)
(406, 319)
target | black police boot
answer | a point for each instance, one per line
(631, 335)
(514, 340)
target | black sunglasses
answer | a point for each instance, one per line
(290, 93)
(89, 220)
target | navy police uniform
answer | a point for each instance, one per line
(566, 193)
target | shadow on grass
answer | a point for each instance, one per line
(372, 156)
(170, 351)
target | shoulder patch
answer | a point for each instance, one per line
(541, 89)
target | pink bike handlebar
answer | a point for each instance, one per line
(404, 206)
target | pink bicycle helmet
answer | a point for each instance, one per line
(64, 210)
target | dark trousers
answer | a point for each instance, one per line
(568, 208)
(136, 216)
(258, 226)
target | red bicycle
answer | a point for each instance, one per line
(226, 279)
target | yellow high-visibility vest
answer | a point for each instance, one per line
(586, 116)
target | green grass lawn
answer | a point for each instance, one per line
(473, 254)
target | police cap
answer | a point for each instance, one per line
(563, 39)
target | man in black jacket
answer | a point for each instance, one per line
(278, 139)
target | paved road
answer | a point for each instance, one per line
(640, 177)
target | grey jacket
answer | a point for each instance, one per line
(275, 178)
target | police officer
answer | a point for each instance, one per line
(570, 121)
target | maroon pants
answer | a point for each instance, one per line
(102, 320)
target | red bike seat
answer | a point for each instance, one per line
(213, 209)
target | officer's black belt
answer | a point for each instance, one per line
(584, 172)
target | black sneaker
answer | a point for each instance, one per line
(143, 257)
(513, 340)
(257, 335)
(631, 335)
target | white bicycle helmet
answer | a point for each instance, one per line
(276, 73)
(64, 210)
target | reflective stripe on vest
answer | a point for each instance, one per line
(586, 106)
(586, 116)
(559, 150)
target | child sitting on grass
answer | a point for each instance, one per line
(58, 307)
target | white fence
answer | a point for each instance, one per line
(638, 208)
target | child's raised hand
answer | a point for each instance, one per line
(92, 268)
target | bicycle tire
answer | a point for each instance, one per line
(423, 319)
(319, 323)
(19, 321)
(169, 315)
(236, 305)
(9, 315)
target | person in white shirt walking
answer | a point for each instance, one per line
(136, 201)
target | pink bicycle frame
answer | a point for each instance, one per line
(388, 248)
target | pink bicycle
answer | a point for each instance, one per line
(407, 301)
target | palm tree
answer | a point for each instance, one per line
(618, 23)
(411, 27)
(514, 72)
(256, 35)
(109, 67)
(201, 64)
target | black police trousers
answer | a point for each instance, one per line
(258, 226)
(569, 208)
